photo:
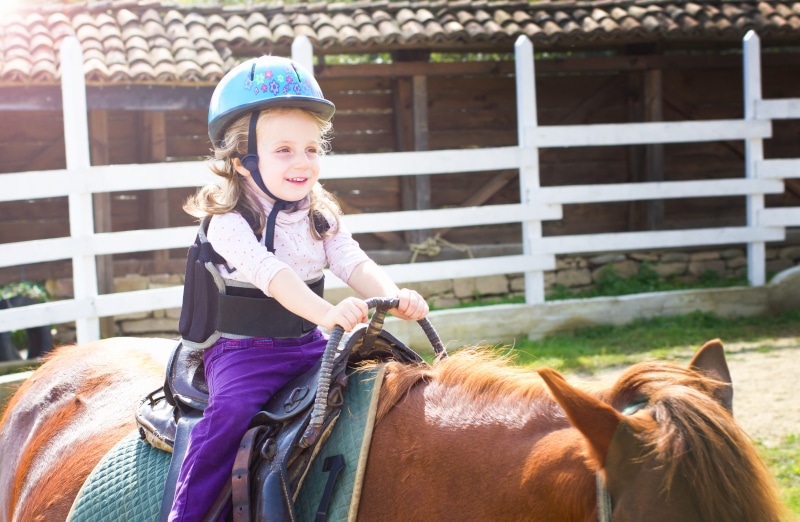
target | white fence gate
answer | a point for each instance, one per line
(80, 180)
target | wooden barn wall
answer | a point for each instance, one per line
(463, 112)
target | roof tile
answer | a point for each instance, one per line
(158, 40)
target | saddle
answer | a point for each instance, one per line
(283, 439)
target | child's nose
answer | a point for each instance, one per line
(301, 160)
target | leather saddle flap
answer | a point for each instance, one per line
(186, 381)
(293, 397)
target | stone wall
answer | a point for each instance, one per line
(573, 272)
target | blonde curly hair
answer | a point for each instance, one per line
(234, 194)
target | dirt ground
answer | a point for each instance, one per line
(765, 383)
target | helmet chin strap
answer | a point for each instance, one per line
(250, 162)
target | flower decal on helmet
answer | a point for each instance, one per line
(267, 81)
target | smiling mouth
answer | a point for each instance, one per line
(297, 180)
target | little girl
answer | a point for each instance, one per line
(273, 229)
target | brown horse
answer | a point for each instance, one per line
(469, 438)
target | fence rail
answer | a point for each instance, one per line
(80, 180)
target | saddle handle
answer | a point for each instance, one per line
(381, 305)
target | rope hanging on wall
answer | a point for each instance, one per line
(432, 247)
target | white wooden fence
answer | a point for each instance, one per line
(80, 180)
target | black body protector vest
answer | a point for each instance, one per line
(215, 307)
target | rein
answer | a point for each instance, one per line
(604, 503)
(603, 500)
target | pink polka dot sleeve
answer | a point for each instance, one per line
(344, 253)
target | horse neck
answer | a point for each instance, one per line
(508, 449)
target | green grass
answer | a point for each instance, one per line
(784, 461)
(586, 350)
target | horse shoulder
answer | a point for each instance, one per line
(499, 454)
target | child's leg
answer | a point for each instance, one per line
(242, 375)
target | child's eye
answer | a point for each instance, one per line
(283, 149)
(312, 151)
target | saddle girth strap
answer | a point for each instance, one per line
(240, 483)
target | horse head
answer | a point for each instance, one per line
(665, 446)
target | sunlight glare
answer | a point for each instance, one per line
(10, 6)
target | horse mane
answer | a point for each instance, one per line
(697, 438)
(481, 374)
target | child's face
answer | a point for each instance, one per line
(288, 154)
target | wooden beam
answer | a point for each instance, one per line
(153, 149)
(654, 166)
(422, 183)
(636, 153)
(99, 153)
(388, 237)
(403, 127)
(581, 112)
(484, 193)
(48, 157)
(686, 111)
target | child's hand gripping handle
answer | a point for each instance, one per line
(381, 305)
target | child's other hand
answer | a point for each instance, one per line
(412, 305)
(347, 314)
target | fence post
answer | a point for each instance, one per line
(529, 160)
(303, 52)
(753, 153)
(81, 213)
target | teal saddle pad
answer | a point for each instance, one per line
(126, 485)
(349, 437)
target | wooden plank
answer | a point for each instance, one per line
(412, 163)
(628, 241)
(599, 98)
(647, 133)
(778, 168)
(473, 118)
(356, 103)
(422, 183)
(387, 236)
(50, 155)
(32, 126)
(654, 152)
(456, 269)
(636, 154)
(53, 312)
(142, 240)
(155, 150)
(98, 143)
(483, 194)
(450, 217)
(779, 217)
(472, 138)
(36, 251)
(572, 194)
(15, 231)
(363, 143)
(29, 210)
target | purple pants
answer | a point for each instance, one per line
(242, 374)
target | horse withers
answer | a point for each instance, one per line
(470, 437)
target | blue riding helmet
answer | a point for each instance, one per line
(259, 83)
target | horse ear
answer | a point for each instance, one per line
(710, 361)
(596, 420)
